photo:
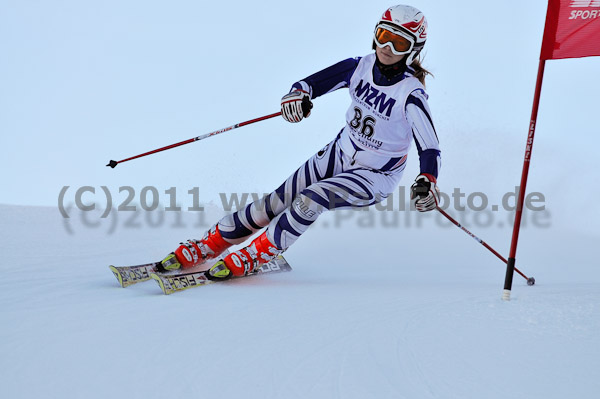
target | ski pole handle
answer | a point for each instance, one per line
(113, 164)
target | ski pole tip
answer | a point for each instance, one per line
(112, 164)
(530, 281)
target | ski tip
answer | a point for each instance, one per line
(160, 283)
(117, 275)
(283, 264)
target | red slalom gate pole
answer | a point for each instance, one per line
(112, 163)
(510, 266)
(530, 280)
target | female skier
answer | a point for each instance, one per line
(360, 167)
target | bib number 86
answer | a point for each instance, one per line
(366, 125)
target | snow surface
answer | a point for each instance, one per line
(350, 321)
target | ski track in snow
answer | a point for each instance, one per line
(341, 325)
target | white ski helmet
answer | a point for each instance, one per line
(403, 29)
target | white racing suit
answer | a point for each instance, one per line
(360, 167)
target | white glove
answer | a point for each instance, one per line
(295, 106)
(426, 193)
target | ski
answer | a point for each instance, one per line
(170, 283)
(129, 275)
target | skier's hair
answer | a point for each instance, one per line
(420, 72)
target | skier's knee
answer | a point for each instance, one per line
(307, 208)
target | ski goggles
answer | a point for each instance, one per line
(401, 42)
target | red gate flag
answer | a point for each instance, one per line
(572, 29)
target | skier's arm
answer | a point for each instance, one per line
(329, 79)
(428, 146)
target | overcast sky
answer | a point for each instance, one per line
(85, 82)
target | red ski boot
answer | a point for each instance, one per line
(246, 260)
(196, 252)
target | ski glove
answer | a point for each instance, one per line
(426, 193)
(295, 106)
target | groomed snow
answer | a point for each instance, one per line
(372, 317)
